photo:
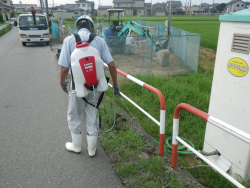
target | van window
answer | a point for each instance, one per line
(27, 21)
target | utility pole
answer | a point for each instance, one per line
(2, 9)
(53, 4)
(190, 7)
(169, 17)
(151, 8)
(41, 6)
(213, 8)
(47, 10)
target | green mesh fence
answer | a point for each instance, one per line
(134, 54)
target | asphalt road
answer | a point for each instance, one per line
(33, 124)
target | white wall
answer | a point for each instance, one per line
(63, 15)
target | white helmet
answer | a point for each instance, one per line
(83, 19)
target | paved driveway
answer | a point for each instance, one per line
(33, 126)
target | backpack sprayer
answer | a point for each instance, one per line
(88, 74)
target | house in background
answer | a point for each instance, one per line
(8, 8)
(220, 8)
(176, 7)
(158, 9)
(24, 7)
(86, 6)
(132, 7)
(204, 8)
(194, 9)
(235, 5)
(148, 9)
(80, 7)
(102, 10)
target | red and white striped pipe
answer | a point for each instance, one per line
(214, 121)
(162, 105)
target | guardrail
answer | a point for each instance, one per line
(3, 26)
(162, 106)
(214, 121)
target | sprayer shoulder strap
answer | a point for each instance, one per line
(99, 100)
(78, 38)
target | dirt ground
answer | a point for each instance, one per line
(207, 58)
(138, 62)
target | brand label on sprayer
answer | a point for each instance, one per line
(88, 67)
(237, 67)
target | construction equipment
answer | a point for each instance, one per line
(159, 44)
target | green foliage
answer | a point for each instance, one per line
(127, 144)
(209, 178)
(193, 89)
(164, 18)
(1, 18)
(240, 179)
(209, 31)
(5, 30)
(70, 19)
(94, 18)
(105, 15)
(6, 16)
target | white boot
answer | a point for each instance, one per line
(75, 146)
(91, 145)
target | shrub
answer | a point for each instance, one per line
(6, 16)
(105, 15)
(70, 19)
(1, 18)
(93, 18)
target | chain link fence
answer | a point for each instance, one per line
(135, 55)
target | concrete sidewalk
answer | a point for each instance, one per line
(33, 126)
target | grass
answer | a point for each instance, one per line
(209, 31)
(126, 145)
(193, 89)
(208, 27)
(164, 18)
(5, 30)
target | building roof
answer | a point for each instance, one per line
(104, 7)
(175, 3)
(123, 1)
(82, 1)
(74, 8)
(159, 4)
(233, 1)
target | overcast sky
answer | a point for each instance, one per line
(109, 2)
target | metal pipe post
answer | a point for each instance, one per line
(169, 17)
(47, 11)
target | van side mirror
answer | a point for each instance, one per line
(15, 23)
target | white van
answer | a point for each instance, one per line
(31, 31)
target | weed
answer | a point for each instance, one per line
(126, 144)
(5, 30)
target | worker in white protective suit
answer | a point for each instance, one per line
(85, 27)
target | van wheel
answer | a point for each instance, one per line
(24, 43)
(47, 43)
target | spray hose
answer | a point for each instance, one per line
(167, 146)
(97, 112)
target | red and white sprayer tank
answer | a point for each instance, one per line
(87, 68)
